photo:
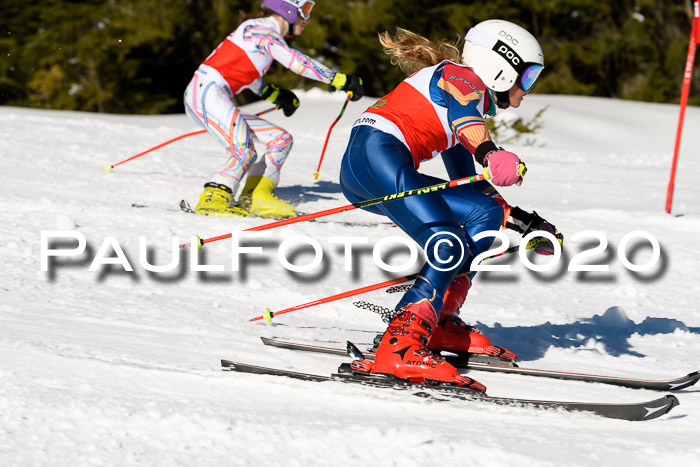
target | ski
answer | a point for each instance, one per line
(144, 206)
(472, 363)
(638, 411)
(186, 207)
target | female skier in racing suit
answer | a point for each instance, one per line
(239, 63)
(440, 109)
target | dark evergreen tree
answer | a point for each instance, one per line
(136, 56)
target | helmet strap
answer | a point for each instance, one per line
(491, 111)
(502, 100)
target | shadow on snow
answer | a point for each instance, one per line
(612, 331)
(321, 190)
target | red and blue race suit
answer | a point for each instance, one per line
(437, 111)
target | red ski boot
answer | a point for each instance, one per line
(402, 351)
(454, 335)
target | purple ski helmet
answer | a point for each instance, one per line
(290, 10)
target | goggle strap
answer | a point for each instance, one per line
(481, 38)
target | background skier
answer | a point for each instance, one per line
(440, 109)
(239, 63)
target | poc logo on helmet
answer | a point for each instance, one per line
(508, 37)
(509, 54)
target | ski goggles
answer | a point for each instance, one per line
(304, 8)
(529, 76)
(528, 72)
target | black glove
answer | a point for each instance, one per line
(352, 84)
(282, 98)
(525, 222)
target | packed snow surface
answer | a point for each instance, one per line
(111, 367)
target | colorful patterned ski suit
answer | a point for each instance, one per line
(239, 63)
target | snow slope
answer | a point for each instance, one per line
(122, 368)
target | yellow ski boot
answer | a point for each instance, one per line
(217, 200)
(258, 200)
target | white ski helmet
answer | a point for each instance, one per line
(502, 53)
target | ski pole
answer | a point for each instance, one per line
(531, 244)
(263, 112)
(349, 207)
(268, 315)
(109, 168)
(317, 174)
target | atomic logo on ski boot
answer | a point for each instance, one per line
(402, 353)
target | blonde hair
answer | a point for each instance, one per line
(412, 52)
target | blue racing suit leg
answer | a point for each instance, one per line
(376, 164)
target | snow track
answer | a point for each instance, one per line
(118, 368)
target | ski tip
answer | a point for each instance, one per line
(659, 407)
(108, 168)
(689, 380)
(185, 207)
(674, 402)
(317, 175)
(227, 365)
(200, 243)
(353, 351)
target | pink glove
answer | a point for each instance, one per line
(503, 167)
